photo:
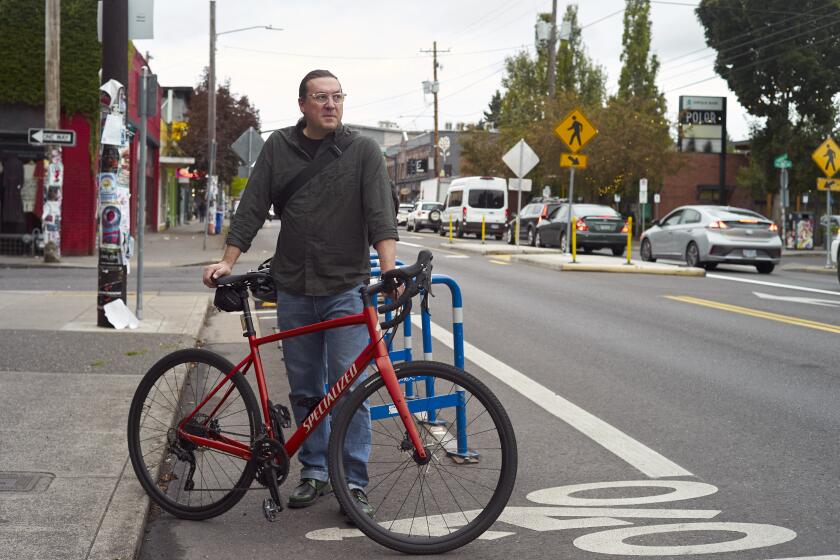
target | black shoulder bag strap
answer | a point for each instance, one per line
(316, 166)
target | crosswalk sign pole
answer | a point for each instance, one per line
(571, 204)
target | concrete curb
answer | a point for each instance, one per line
(120, 533)
(633, 269)
(814, 269)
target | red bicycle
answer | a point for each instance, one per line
(441, 451)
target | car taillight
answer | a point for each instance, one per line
(507, 214)
(624, 229)
(773, 227)
(464, 210)
(544, 213)
(581, 226)
(718, 224)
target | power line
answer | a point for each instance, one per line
(747, 66)
(725, 52)
(748, 34)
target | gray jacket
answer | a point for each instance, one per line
(328, 226)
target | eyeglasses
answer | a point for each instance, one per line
(321, 98)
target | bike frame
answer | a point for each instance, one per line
(375, 351)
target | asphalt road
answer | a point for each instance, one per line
(699, 414)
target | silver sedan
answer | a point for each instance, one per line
(706, 236)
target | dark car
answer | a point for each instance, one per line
(596, 227)
(529, 218)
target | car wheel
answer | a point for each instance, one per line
(409, 227)
(618, 251)
(509, 236)
(710, 265)
(692, 255)
(538, 240)
(647, 251)
(531, 240)
(498, 237)
(765, 267)
(563, 247)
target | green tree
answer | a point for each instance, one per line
(781, 68)
(233, 117)
(493, 112)
(639, 67)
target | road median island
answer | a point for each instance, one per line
(555, 260)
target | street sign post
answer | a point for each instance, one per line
(55, 137)
(248, 147)
(782, 162)
(643, 199)
(521, 159)
(575, 131)
(825, 184)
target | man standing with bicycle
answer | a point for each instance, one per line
(330, 189)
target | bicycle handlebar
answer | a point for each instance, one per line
(415, 277)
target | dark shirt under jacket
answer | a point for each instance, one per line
(329, 225)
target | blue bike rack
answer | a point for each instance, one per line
(432, 403)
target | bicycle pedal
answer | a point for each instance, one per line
(271, 509)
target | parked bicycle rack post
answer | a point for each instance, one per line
(431, 403)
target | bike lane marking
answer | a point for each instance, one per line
(635, 453)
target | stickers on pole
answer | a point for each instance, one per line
(575, 131)
(827, 157)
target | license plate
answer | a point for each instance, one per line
(749, 253)
(604, 228)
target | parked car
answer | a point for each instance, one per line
(471, 200)
(596, 227)
(424, 214)
(531, 215)
(835, 254)
(709, 235)
(402, 213)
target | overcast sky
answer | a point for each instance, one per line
(374, 47)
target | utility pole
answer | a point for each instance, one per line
(112, 272)
(211, 118)
(434, 90)
(52, 119)
(552, 52)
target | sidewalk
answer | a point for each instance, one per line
(179, 246)
(553, 259)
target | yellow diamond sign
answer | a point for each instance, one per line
(573, 160)
(827, 156)
(575, 130)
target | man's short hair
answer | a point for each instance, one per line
(311, 76)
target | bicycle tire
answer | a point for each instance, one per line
(162, 401)
(444, 530)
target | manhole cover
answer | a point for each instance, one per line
(25, 481)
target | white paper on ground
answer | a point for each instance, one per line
(119, 315)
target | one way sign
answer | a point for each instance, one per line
(57, 137)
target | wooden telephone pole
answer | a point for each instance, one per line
(435, 89)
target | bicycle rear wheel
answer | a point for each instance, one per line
(459, 493)
(168, 393)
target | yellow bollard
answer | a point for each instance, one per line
(629, 237)
(450, 228)
(482, 230)
(574, 239)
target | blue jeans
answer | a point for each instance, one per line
(315, 359)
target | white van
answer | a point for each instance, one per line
(470, 199)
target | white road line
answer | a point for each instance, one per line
(793, 299)
(407, 244)
(457, 256)
(643, 458)
(773, 284)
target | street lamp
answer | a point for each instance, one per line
(211, 103)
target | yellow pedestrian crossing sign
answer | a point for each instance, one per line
(573, 160)
(825, 184)
(827, 156)
(575, 130)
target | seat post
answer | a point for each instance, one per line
(247, 320)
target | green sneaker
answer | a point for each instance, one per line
(307, 492)
(361, 502)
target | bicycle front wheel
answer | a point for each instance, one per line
(451, 499)
(190, 481)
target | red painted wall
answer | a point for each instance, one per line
(78, 204)
(703, 169)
